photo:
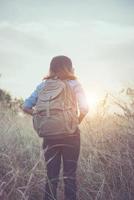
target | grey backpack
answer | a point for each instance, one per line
(56, 109)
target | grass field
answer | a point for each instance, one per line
(106, 164)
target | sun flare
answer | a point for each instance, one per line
(92, 99)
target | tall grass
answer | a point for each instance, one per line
(106, 164)
(22, 172)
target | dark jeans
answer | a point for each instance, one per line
(67, 149)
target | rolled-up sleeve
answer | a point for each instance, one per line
(32, 99)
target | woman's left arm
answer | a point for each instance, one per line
(81, 100)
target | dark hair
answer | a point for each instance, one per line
(61, 67)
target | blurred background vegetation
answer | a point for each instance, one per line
(106, 164)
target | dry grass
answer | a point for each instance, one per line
(106, 165)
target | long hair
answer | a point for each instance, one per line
(61, 67)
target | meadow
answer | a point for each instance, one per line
(106, 163)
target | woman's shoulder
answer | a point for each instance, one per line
(40, 85)
(74, 83)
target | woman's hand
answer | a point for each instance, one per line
(29, 111)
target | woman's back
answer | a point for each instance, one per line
(76, 87)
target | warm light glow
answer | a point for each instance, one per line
(92, 99)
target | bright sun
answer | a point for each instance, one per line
(92, 99)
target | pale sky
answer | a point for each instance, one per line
(98, 35)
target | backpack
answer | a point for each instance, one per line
(56, 109)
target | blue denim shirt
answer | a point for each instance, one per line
(77, 88)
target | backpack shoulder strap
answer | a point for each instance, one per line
(69, 94)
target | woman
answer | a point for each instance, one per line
(65, 147)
